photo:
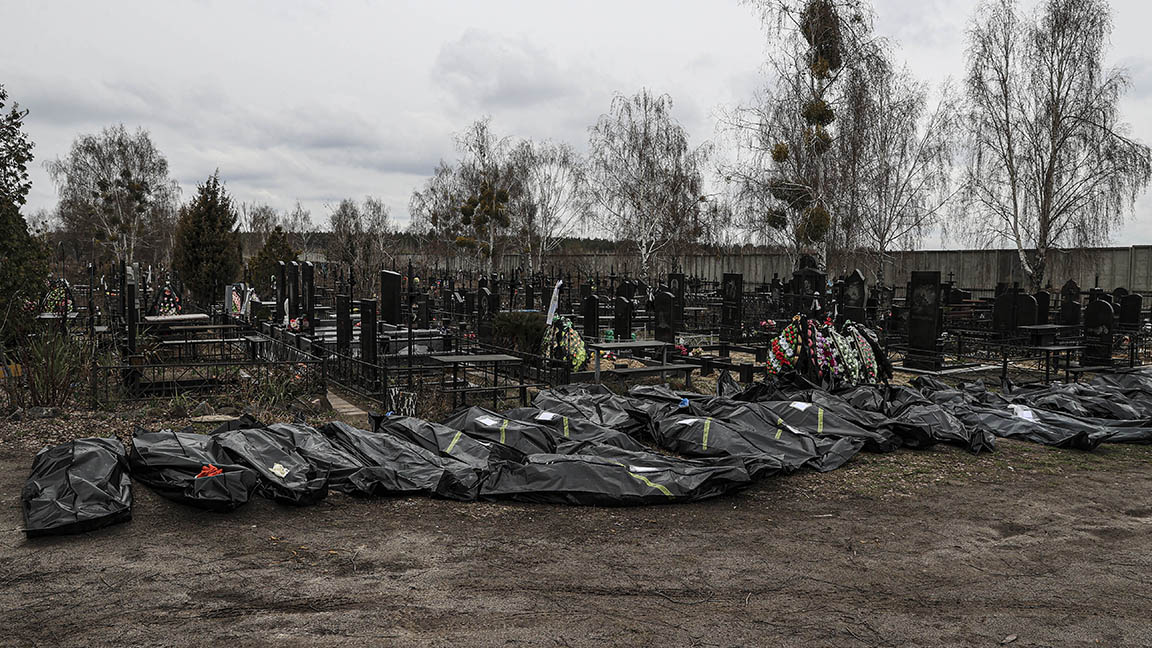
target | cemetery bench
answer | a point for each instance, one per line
(485, 363)
(651, 370)
(639, 345)
(1051, 351)
(193, 344)
(175, 320)
(1081, 370)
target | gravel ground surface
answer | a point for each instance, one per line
(1024, 547)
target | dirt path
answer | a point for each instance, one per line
(936, 548)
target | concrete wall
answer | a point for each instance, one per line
(1109, 268)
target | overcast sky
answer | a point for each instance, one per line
(318, 101)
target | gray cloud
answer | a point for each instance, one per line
(296, 100)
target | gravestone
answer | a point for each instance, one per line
(807, 283)
(663, 304)
(1130, 307)
(469, 302)
(924, 346)
(1026, 308)
(529, 297)
(423, 312)
(281, 289)
(627, 289)
(853, 302)
(1098, 321)
(484, 315)
(390, 297)
(343, 325)
(459, 308)
(731, 306)
(1119, 294)
(676, 287)
(1004, 312)
(293, 290)
(591, 311)
(368, 331)
(1070, 303)
(622, 318)
(956, 295)
(308, 281)
(1043, 306)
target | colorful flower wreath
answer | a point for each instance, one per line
(169, 302)
(785, 348)
(868, 364)
(563, 342)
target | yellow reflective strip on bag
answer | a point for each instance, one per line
(565, 427)
(650, 483)
(707, 425)
(819, 420)
(503, 426)
(453, 444)
(644, 479)
(779, 428)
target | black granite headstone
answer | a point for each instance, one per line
(1098, 321)
(308, 284)
(1043, 306)
(368, 331)
(676, 286)
(853, 298)
(731, 305)
(1070, 303)
(622, 318)
(343, 324)
(1026, 308)
(924, 347)
(484, 314)
(591, 311)
(293, 290)
(1004, 312)
(1130, 307)
(281, 289)
(390, 299)
(663, 304)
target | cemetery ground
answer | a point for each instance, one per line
(1027, 546)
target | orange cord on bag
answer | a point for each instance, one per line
(209, 471)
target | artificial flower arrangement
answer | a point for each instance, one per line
(817, 349)
(563, 342)
(59, 299)
(169, 302)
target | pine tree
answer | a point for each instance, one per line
(22, 256)
(263, 265)
(208, 250)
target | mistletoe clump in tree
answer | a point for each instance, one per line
(485, 209)
(790, 176)
(798, 187)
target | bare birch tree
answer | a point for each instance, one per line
(115, 186)
(1052, 164)
(435, 212)
(898, 153)
(644, 178)
(551, 203)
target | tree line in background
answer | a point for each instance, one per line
(842, 150)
